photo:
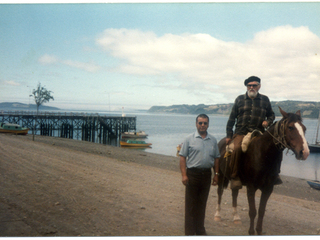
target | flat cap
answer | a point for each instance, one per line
(251, 79)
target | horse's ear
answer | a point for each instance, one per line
(298, 113)
(283, 113)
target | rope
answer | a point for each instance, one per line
(279, 138)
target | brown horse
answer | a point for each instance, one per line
(258, 166)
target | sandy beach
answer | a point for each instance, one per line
(62, 187)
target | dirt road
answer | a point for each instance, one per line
(62, 187)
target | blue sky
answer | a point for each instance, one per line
(131, 55)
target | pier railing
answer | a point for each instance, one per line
(82, 126)
(44, 113)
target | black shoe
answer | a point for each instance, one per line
(278, 181)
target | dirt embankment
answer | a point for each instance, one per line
(62, 187)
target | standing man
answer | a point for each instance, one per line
(199, 153)
(251, 111)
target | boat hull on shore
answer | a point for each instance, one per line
(134, 143)
(13, 129)
(314, 184)
(314, 148)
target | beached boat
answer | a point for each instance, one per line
(134, 143)
(140, 134)
(314, 184)
(13, 128)
(315, 147)
(178, 149)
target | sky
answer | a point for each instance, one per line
(107, 56)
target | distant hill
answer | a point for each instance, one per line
(16, 106)
(308, 109)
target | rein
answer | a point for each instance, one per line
(279, 136)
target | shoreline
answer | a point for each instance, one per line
(291, 187)
(62, 187)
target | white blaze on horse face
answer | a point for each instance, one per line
(306, 150)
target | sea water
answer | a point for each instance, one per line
(166, 131)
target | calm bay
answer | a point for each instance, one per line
(166, 131)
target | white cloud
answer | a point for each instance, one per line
(86, 66)
(11, 83)
(89, 67)
(283, 56)
(48, 59)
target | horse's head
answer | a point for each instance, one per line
(294, 132)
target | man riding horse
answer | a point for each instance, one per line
(251, 112)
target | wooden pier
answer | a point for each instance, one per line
(80, 126)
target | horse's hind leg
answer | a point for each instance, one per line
(217, 216)
(262, 208)
(236, 217)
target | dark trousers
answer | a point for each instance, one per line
(197, 192)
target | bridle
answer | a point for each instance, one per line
(279, 137)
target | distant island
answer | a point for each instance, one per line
(16, 106)
(308, 109)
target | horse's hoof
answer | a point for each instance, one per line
(237, 222)
(261, 233)
(217, 219)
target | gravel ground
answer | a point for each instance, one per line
(62, 187)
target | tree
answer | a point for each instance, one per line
(41, 95)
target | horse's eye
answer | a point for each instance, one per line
(291, 128)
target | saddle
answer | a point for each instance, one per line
(245, 142)
(248, 138)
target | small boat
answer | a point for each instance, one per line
(178, 149)
(134, 143)
(13, 128)
(314, 184)
(315, 147)
(140, 134)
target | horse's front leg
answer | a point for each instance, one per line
(252, 208)
(262, 208)
(217, 216)
(236, 217)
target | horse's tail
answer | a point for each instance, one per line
(225, 181)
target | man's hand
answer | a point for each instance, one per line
(185, 180)
(183, 168)
(265, 124)
(215, 180)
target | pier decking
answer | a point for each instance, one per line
(80, 126)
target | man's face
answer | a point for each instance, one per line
(253, 89)
(202, 125)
